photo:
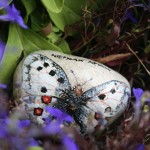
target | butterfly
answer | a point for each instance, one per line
(47, 84)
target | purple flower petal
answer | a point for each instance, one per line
(52, 128)
(69, 143)
(23, 123)
(140, 147)
(54, 111)
(13, 15)
(132, 1)
(137, 93)
(20, 21)
(3, 130)
(129, 15)
(3, 127)
(135, 3)
(61, 116)
(2, 50)
(3, 3)
(5, 17)
(3, 86)
(148, 100)
(32, 142)
(68, 118)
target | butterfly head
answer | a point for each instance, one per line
(78, 90)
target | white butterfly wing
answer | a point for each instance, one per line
(35, 107)
(42, 76)
(105, 102)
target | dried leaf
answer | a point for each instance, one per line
(112, 57)
(47, 30)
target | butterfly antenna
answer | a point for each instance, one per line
(87, 81)
(74, 76)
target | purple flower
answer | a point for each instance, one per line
(3, 86)
(142, 5)
(148, 100)
(23, 123)
(13, 15)
(3, 129)
(137, 93)
(140, 147)
(69, 143)
(32, 142)
(2, 49)
(54, 129)
(61, 116)
(129, 16)
(12, 132)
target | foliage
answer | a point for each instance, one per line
(113, 32)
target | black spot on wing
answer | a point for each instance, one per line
(43, 89)
(112, 91)
(60, 80)
(108, 109)
(101, 96)
(52, 72)
(41, 57)
(39, 68)
(45, 64)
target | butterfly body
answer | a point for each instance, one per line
(88, 91)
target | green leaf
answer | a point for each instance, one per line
(64, 46)
(32, 41)
(147, 49)
(30, 6)
(12, 53)
(53, 5)
(70, 13)
(55, 37)
(20, 40)
(35, 148)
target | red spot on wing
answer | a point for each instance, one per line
(46, 99)
(38, 111)
(97, 116)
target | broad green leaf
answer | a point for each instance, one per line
(32, 41)
(12, 53)
(55, 38)
(36, 21)
(64, 46)
(53, 5)
(70, 13)
(76, 6)
(20, 40)
(29, 5)
(39, 20)
(65, 17)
